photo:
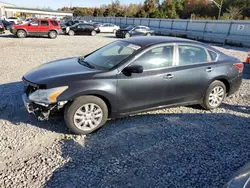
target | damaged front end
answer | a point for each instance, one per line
(42, 102)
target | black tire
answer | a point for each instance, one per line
(21, 33)
(127, 35)
(71, 109)
(71, 33)
(206, 103)
(93, 33)
(52, 34)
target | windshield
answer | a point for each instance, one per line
(110, 55)
(74, 25)
(129, 27)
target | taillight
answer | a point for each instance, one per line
(240, 66)
(1, 26)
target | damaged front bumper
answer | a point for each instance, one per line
(41, 111)
(27, 104)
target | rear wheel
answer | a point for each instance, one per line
(93, 33)
(52, 34)
(214, 95)
(86, 114)
(21, 33)
(127, 35)
(71, 33)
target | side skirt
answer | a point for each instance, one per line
(115, 115)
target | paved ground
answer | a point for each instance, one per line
(177, 147)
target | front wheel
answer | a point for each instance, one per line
(148, 34)
(71, 33)
(93, 33)
(214, 95)
(127, 35)
(86, 114)
(52, 34)
(21, 34)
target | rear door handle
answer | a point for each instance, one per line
(168, 76)
(209, 69)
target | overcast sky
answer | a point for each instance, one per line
(55, 4)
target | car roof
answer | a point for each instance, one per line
(44, 19)
(153, 40)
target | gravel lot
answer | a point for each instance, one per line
(176, 147)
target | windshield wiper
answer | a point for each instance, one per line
(81, 61)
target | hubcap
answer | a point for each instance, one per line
(71, 33)
(52, 34)
(88, 117)
(21, 34)
(216, 96)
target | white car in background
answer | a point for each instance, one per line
(12, 20)
(108, 28)
(27, 20)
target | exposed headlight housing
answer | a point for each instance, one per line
(47, 96)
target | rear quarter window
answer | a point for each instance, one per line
(54, 23)
(213, 55)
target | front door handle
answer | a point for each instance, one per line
(209, 69)
(168, 76)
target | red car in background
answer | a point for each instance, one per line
(39, 27)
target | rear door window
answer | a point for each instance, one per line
(189, 55)
(44, 23)
(80, 26)
(90, 26)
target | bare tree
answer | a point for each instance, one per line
(235, 13)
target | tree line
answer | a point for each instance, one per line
(171, 9)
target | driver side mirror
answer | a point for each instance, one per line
(133, 69)
(29, 24)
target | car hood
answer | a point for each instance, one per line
(241, 178)
(62, 70)
(20, 25)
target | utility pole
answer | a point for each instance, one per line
(219, 7)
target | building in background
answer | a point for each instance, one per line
(9, 10)
(2, 10)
